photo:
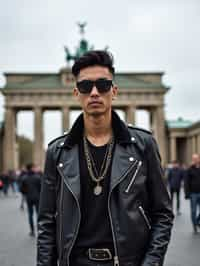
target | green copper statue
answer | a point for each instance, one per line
(82, 48)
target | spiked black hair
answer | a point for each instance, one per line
(94, 58)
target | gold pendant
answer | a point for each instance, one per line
(97, 190)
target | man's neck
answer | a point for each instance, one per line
(98, 129)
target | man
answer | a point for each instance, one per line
(175, 177)
(103, 200)
(30, 187)
(192, 190)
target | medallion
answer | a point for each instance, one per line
(97, 190)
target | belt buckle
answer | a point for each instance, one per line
(106, 254)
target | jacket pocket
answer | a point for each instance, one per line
(142, 212)
(139, 164)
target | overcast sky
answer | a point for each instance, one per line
(142, 35)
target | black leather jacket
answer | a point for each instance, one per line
(139, 205)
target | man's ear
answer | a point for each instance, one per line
(75, 92)
(114, 92)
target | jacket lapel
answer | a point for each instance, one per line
(123, 159)
(69, 170)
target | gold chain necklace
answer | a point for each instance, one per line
(91, 164)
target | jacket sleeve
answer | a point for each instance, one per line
(46, 242)
(160, 209)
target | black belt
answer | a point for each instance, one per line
(99, 254)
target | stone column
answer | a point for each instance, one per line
(130, 114)
(65, 118)
(189, 150)
(194, 144)
(9, 153)
(158, 128)
(198, 143)
(153, 122)
(38, 157)
(173, 149)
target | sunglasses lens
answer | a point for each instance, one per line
(103, 85)
(85, 86)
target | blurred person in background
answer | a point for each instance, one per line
(31, 185)
(175, 178)
(1, 184)
(5, 180)
(192, 190)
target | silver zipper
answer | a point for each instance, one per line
(76, 233)
(134, 176)
(116, 258)
(60, 205)
(116, 261)
(145, 217)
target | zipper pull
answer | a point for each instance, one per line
(116, 261)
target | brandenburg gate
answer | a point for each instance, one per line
(41, 92)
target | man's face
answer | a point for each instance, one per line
(195, 159)
(95, 102)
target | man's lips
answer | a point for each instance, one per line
(95, 103)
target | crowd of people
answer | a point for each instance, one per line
(27, 183)
(188, 178)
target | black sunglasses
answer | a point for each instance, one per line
(102, 85)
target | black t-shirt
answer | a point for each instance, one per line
(95, 229)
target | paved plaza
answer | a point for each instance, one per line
(17, 248)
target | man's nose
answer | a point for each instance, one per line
(94, 91)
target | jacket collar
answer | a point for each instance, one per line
(121, 133)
